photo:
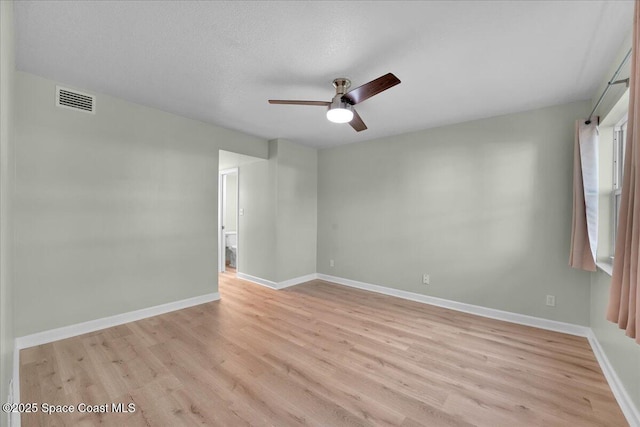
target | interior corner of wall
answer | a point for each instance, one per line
(273, 148)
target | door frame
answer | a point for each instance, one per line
(222, 197)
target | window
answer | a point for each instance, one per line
(619, 142)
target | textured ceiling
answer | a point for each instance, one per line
(219, 62)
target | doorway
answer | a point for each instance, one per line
(228, 220)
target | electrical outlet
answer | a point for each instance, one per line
(332, 263)
(425, 279)
(551, 300)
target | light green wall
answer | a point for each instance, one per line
(7, 76)
(297, 210)
(484, 207)
(257, 237)
(115, 211)
(231, 204)
(278, 230)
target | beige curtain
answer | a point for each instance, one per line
(623, 298)
(584, 228)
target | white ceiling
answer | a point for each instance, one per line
(219, 62)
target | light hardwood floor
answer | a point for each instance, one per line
(320, 354)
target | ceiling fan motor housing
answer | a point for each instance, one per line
(341, 84)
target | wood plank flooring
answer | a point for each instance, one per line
(324, 355)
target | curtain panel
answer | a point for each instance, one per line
(623, 298)
(584, 227)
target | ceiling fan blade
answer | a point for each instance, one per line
(287, 102)
(367, 90)
(356, 123)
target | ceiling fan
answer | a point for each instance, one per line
(340, 108)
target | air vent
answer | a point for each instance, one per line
(67, 98)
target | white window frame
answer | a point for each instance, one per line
(619, 142)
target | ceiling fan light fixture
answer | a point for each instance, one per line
(340, 112)
(341, 106)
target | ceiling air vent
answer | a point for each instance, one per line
(68, 98)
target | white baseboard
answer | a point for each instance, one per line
(297, 280)
(629, 409)
(257, 280)
(276, 285)
(507, 316)
(107, 322)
